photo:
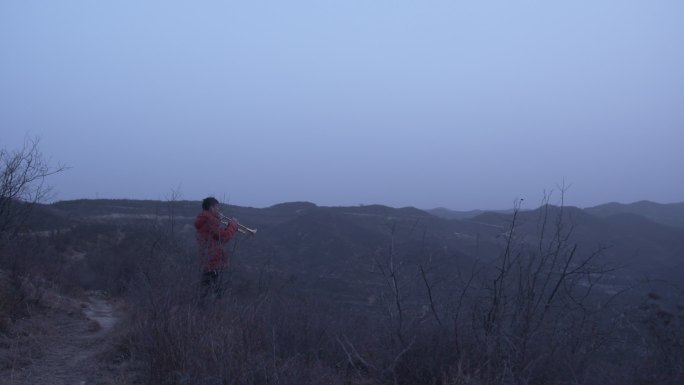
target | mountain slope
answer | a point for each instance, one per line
(670, 214)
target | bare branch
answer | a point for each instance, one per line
(22, 185)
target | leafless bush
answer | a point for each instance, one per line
(22, 185)
(33, 271)
(534, 316)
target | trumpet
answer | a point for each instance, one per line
(241, 228)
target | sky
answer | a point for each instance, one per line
(456, 104)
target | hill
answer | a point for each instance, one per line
(454, 214)
(639, 246)
(670, 214)
(341, 248)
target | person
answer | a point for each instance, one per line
(212, 234)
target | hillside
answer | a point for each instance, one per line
(317, 245)
(638, 246)
(454, 214)
(670, 214)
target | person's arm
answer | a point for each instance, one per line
(229, 231)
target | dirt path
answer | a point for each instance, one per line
(68, 345)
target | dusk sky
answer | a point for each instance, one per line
(459, 104)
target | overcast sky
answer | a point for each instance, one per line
(460, 104)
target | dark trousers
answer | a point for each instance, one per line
(211, 285)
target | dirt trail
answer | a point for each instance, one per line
(69, 346)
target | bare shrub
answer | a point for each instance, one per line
(533, 315)
(22, 185)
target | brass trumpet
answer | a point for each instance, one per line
(241, 228)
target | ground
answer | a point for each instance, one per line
(64, 342)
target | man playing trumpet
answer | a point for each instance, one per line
(212, 233)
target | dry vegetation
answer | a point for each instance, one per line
(530, 315)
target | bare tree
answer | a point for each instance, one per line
(22, 185)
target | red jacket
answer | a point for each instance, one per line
(211, 237)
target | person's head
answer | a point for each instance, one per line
(209, 203)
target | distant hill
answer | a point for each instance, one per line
(670, 214)
(453, 214)
(640, 246)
